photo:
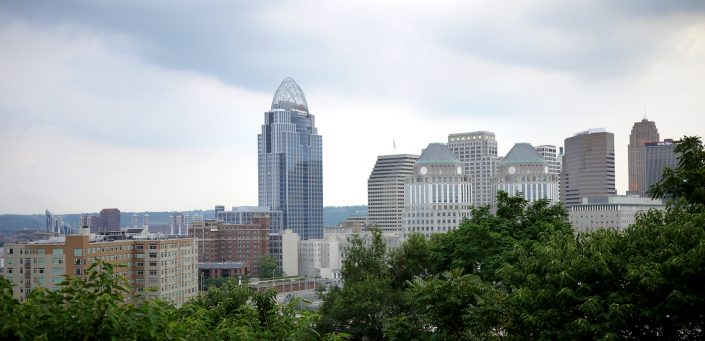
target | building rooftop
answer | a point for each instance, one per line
(289, 96)
(591, 131)
(437, 153)
(621, 200)
(523, 153)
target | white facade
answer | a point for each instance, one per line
(478, 153)
(437, 195)
(524, 171)
(615, 212)
(324, 257)
(320, 258)
(290, 253)
(553, 156)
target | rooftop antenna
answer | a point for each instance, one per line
(644, 111)
(395, 144)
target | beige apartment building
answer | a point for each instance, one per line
(164, 268)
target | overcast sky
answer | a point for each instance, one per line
(156, 105)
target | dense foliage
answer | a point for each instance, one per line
(101, 307)
(521, 273)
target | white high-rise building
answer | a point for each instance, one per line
(478, 153)
(437, 195)
(553, 156)
(524, 171)
(385, 191)
(135, 221)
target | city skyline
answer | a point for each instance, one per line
(159, 112)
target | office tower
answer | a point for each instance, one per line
(642, 132)
(552, 155)
(290, 170)
(478, 153)
(218, 209)
(524, 171)
(385, 190)
(658, 156)
(157, 267)
(135, 221)
(230, 249)
(92, 221)
(109, 220)
(437, 194)
(588, 166)
(145, 220)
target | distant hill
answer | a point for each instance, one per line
(332, 215)
(10, 222)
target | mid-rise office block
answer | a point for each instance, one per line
(290, 167)
(613, 212)
(658, 156)
(588, 167)
(92, 221)
(246, 214)
(156, 267)
(228, 249)
(385, 190)
(642, 132)
(524, 171)
(109, 220)
(438, 194)
(478, 153)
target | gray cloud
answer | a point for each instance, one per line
(590, 39)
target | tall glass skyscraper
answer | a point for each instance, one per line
(290, 162)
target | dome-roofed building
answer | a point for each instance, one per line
(437, 195)
(290, 172)
(524, 171)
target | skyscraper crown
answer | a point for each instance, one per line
(289, 96)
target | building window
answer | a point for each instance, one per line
(153, 255)
(77, 271)
(77, 252)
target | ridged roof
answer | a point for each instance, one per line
(437, 153)
(523, 153)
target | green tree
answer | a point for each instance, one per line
(687, 180)
(411, 259)
(361, 305)
(268, 267)
(101, 307)
(485, 242)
